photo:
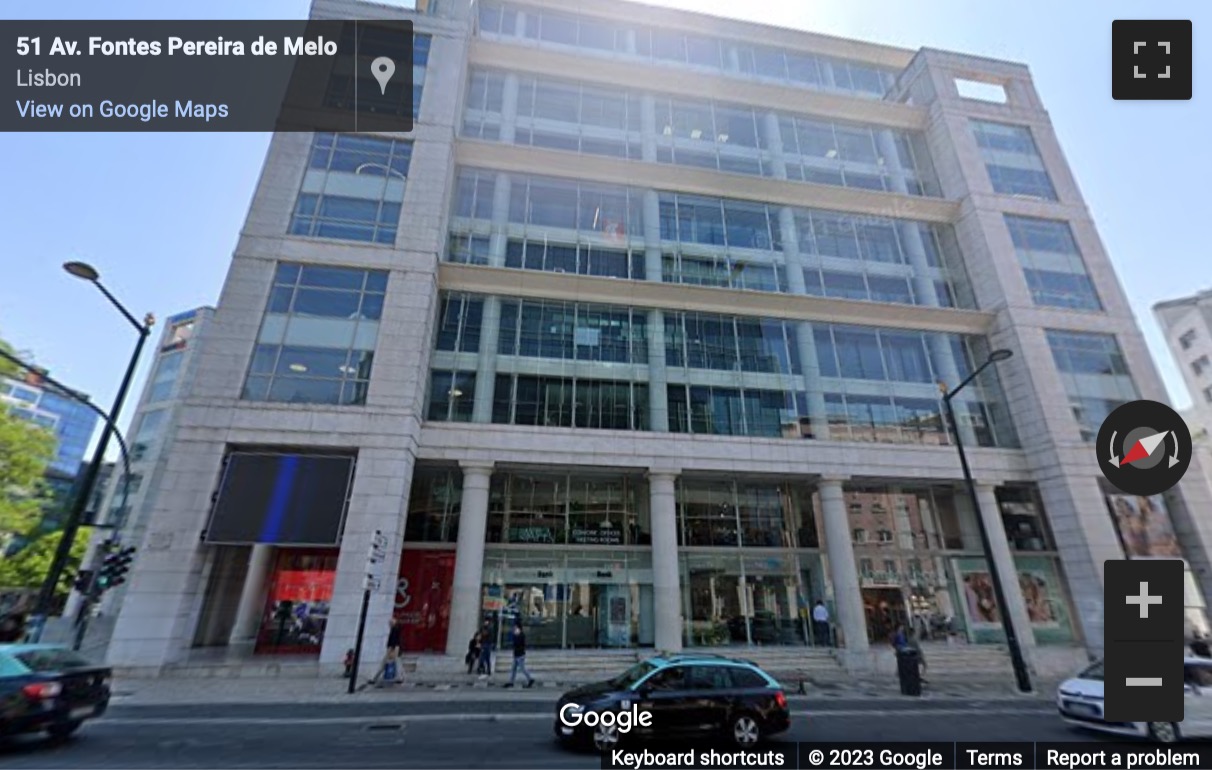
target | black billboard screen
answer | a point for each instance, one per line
(284, 499)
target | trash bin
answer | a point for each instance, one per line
(909, 672)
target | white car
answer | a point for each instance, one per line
(1080, 702)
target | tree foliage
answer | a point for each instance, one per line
(7, 368)
(27, 568)
(25, 451)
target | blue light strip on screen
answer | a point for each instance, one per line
(283, 486)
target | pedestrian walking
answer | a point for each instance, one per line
(914, 643)
(389, 667)
(473, 652)
(820, 623)
(519, 656)
(488, 638)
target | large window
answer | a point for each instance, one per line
(553, 329)
(568, 402)
(577, 117)
(150, 425)
(433, 505)
(560, 509)
(459, 320)
(1012, 160)
(317, 340)
(681, 49)
(731, 343)
(1094, 374)
(561, 225)
(353, 188)
(907, 408)
(165, 377)
(1052, 265)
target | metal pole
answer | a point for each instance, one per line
(353, 675)
(1021, 674)
(50, 585)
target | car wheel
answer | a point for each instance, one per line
(1163, 732)
(745, 731)
(606, 737)
(63, 730)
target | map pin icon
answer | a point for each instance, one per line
(383, 68)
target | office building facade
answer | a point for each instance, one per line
(638, 337)
(123, 501)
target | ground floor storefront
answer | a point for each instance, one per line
(618, 560)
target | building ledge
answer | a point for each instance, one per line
(511, 282)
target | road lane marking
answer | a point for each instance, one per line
(489, 717)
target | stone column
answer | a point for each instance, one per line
(999, 549)
(666, 595)
(378, 502)
(469, 557)
(252, 597)
(490, 324)
(804, 339)
(658, 378)
(843, 570)
(509, 109)
(923, 281)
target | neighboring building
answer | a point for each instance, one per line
(73, 423)
(123, 504)
(1187, 326)
(30, 397)
(637, 337)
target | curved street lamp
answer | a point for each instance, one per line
(1021, 674)
(46, 595)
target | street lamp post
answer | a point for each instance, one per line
(46, 596)
(1021, 674)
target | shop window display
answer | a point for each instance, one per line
(298, 601)
(903, 568)
(750, 569)
(587, 598)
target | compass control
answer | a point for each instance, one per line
(1144, 447)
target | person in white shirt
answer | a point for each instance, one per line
(820, 623)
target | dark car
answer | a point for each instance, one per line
(690, 696)
(48, 688)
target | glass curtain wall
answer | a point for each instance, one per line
(750, 561)
(910, 544)
(569, 556)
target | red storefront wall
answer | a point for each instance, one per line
(423, 595)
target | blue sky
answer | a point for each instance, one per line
(158, 214)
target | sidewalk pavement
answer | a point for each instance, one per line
(318, 691)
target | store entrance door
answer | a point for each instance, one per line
(885, 609)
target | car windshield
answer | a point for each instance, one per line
(1094, 673)
(632, 675)
(51, 660)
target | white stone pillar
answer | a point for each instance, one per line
(805, 341)
(843, 571)
(658, 377)
(490, 319)
(469, 557)
(378, 502)
(665, 588)
(252, 597)
(1007, 570)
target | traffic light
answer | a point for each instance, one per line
(114, 568)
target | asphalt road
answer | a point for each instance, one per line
(466, 734)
